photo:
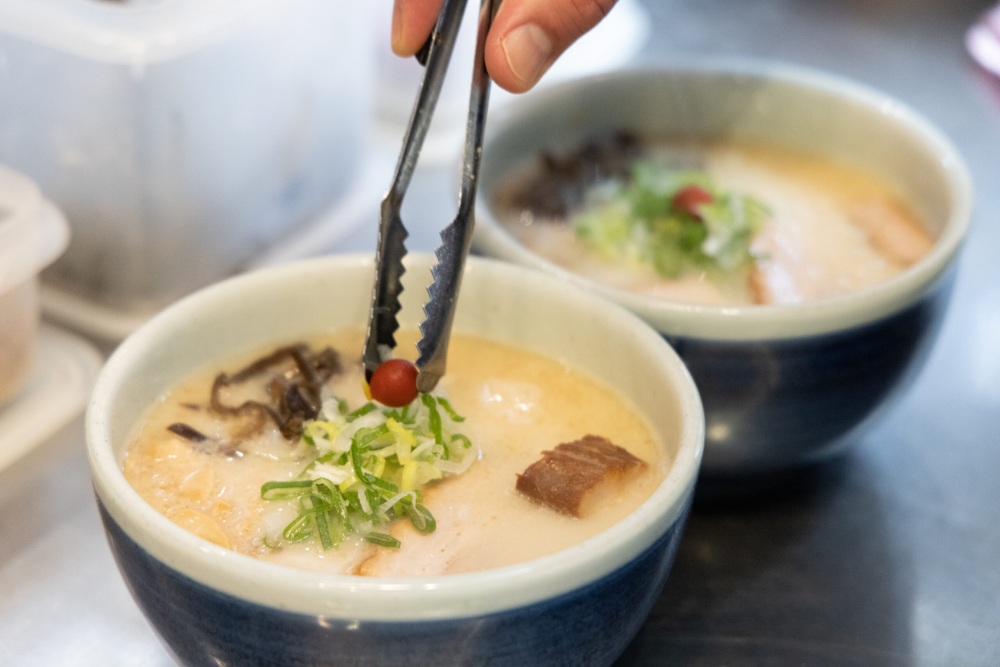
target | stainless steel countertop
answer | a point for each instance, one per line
(887, 556)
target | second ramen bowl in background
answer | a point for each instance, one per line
(783, 386)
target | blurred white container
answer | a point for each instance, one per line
(32, 234)
(181, 138)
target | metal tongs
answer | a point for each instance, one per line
(455, 238)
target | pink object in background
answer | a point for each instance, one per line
(983, 40)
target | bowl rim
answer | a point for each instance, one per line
(754, 322)
(403, 599)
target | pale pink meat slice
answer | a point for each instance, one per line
(890, 231)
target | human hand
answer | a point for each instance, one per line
(527, 36)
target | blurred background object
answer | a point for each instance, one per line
(33, 233)
(983, 40)
(180, 137)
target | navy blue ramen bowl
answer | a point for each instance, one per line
(212, 606)
(782, 386)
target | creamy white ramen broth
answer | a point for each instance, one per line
(825, 229)
(516, 406)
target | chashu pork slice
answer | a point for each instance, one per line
(574, 475)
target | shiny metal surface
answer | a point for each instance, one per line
(391, 247)
(456, 238)
(889, 556)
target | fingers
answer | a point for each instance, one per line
(526, 38)
(412, 21)
(529, 35)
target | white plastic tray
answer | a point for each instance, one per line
(54, 397)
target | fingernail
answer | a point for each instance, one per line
(397, 26)
(528, 50)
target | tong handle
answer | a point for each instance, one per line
(391, 248)
(435, 56)
(457, 237)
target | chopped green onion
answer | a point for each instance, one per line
(455, 417)
(366, 474)
(298, 529)
(362, 411)
(638, 221)
(383, 540)
(421, 517)
(383, 485)
(433, 417)
(281, 490)
(323, 530)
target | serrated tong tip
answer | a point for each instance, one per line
(456, 238)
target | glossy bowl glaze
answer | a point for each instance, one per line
(212, 606)
(784, 385)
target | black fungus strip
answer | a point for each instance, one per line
(561, 181)
(187, 432)
(203, 443)
(295, 395)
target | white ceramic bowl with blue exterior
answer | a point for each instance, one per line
(784, 385)
(212, 606)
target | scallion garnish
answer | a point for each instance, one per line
(368, 469)
(283, 490)
(382, 539)
(675, 221)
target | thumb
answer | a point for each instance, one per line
(527, 36)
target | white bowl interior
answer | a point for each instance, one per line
(498, 301)
(787, 105)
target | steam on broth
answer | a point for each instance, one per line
(716, 223)
(205, 470)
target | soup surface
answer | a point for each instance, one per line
(516, 405)
(812, 228)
